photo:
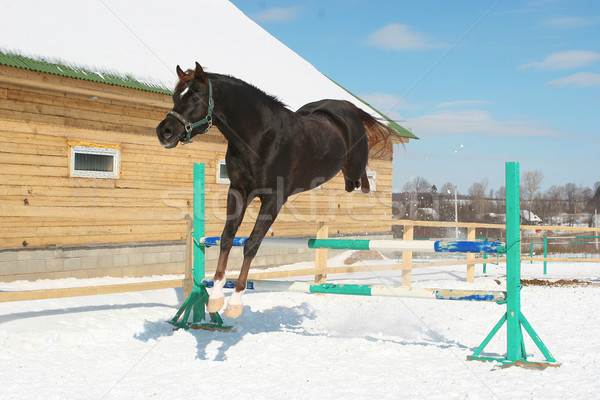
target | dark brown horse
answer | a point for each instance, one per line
(272, 153)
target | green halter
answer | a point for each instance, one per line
(189, 126)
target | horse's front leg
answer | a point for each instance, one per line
(269, 209)
(237, 201)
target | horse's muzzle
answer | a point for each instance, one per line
(167, 137)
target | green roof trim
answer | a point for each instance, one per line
(31, 64)
(399, 130)
(109, 78)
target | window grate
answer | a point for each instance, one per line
(222, 176)
(95, 162)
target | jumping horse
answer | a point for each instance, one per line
(272, 153)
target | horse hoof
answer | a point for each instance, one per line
(214, 305)
(233, 311)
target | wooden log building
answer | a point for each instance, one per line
(86, 190)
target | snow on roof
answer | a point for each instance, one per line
(148, 39)
(75, 72)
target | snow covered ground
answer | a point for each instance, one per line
(300, 346)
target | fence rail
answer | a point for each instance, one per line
(321, 269)
(472, 228)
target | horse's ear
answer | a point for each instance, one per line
(199, 72)
(180, 72)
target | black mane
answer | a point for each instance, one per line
(189, 75)
(241, 83)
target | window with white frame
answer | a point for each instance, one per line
(372, 176)
(222, 176)
(89, 161)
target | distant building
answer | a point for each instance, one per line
(529, 218)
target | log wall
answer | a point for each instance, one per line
(42, 206)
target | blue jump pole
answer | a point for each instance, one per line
(516, 355)
(426, 246)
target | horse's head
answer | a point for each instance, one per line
(192, 110)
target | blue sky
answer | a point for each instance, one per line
(480, 82)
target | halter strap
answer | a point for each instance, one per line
(189, 126)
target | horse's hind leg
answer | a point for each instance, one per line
(236, 207)
(355, 174)
(365, 186)
(269, 209)
(355, 165)
(351, 184)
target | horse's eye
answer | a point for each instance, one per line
(195, 99)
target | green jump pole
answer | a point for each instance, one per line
(514, 318)
(485, 258)
(515, 349)
(531, 252)
(196, 302)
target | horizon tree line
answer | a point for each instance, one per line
(559, 204)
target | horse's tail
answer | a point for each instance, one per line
(378, 133)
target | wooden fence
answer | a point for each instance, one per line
(321, 270)
(408, 263)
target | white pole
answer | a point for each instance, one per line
(425, 246)
(372, 290)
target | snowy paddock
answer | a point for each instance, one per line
(301, 346)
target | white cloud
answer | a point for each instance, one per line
(461, 103)
(580, 80)
(383, 101)
(398, 37)
(569, 22)
(565, 60)
(387, 103)
(277, 14)
(475, 122)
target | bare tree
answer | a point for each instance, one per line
(501, 193)
(447, 202)
(594, 203)
(477, 193)
(531, 181)
(417, 185)
(574, 194)
(447, 188)
(414, 191)
(555, 202)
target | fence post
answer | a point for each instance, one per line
(515, 349)
(531, 252)
(407, 256)
(195, 304)
(188, 283)
(514, 318)
(199, 270)
(321, 254)
(545, 255)
(471, 256)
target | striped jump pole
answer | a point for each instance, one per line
(426, 246)
(194, 306)
(369, 290)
